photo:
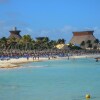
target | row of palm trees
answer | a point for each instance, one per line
(27, 43)
(90, 44)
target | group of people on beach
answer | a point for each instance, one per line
(47, 53)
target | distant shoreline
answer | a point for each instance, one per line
(15, 63)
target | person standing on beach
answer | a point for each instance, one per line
(27, 57)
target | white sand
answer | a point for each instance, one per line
(12, 63)
(86, 56)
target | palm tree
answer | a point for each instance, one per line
(70, 45)
(61, 41)
(42, 43)
(12, 43)
(89, 44)
(52, 44)
(96, 41)
(3, 42)
(26, 41)
(89, 41)
(83, 44)
(46, 39)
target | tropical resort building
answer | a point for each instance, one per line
(15, 33)
(62, 46)
(85, 39)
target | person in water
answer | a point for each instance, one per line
(96, 60)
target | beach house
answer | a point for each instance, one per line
(83, 38)
(15, 33)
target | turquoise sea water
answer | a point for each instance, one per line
(52, 80)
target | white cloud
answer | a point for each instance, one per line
(29, 30)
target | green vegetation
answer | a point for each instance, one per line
(90, 44)
(41, 43)
(74, 47)
(27, 43)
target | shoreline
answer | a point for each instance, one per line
(15, 63)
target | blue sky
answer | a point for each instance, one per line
(53, 18)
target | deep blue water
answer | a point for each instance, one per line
(52, 80)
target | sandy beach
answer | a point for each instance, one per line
(13, 63)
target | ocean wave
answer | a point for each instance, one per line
(34, 66)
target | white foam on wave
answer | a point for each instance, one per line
(34, 66)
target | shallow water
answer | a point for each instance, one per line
(52, 80)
